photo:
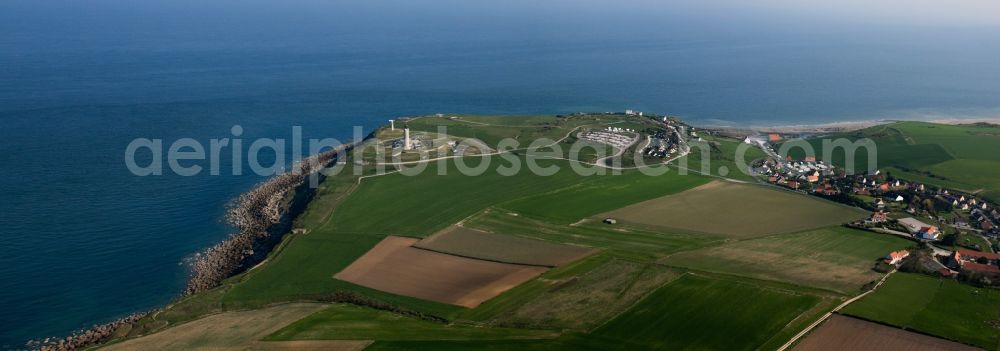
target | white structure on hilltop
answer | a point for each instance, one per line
(407, 144)
(392, 125)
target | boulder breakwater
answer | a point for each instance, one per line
(261, 216)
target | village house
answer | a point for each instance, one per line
(896, 256)
(813, 177)
(879, 217)
(986, 225)
(826, 189)
(928, 233)
(793, 184)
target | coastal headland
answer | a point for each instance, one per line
(667, 235)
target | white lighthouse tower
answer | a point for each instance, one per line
(407, 145)
(392, 125)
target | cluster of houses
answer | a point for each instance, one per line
(612, 136)
(981, 215)
(798, 175)
(661, 145)
(986, 219)
(974, 214)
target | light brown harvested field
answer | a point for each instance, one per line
(736, 210)
(846, 333)
(239, 330)
(474, 243)
(396, 267)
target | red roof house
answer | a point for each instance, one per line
(879, 217)
(929, 233)
(896, 256)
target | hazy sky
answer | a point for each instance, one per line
(934, 12)
(892, 12)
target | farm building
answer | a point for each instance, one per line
(896, 256)
(912, 224)
(977, 261)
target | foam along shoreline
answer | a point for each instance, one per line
(261, 217)
(846, 126)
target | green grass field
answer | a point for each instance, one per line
(348, 322)
(599, 193)
(974, 142)
(894, 148)
(568, 342)
(578, 297)
(939, 307)
(398, 204)
(635, 244)
(702, 313)
(976, 176)
(375, 209)
(736, 210)
(836, 258)
(718, 156)
(689, 313)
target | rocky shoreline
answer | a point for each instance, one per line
(261, 216)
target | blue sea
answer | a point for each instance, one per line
(82, 240)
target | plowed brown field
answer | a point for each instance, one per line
(396, 267)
